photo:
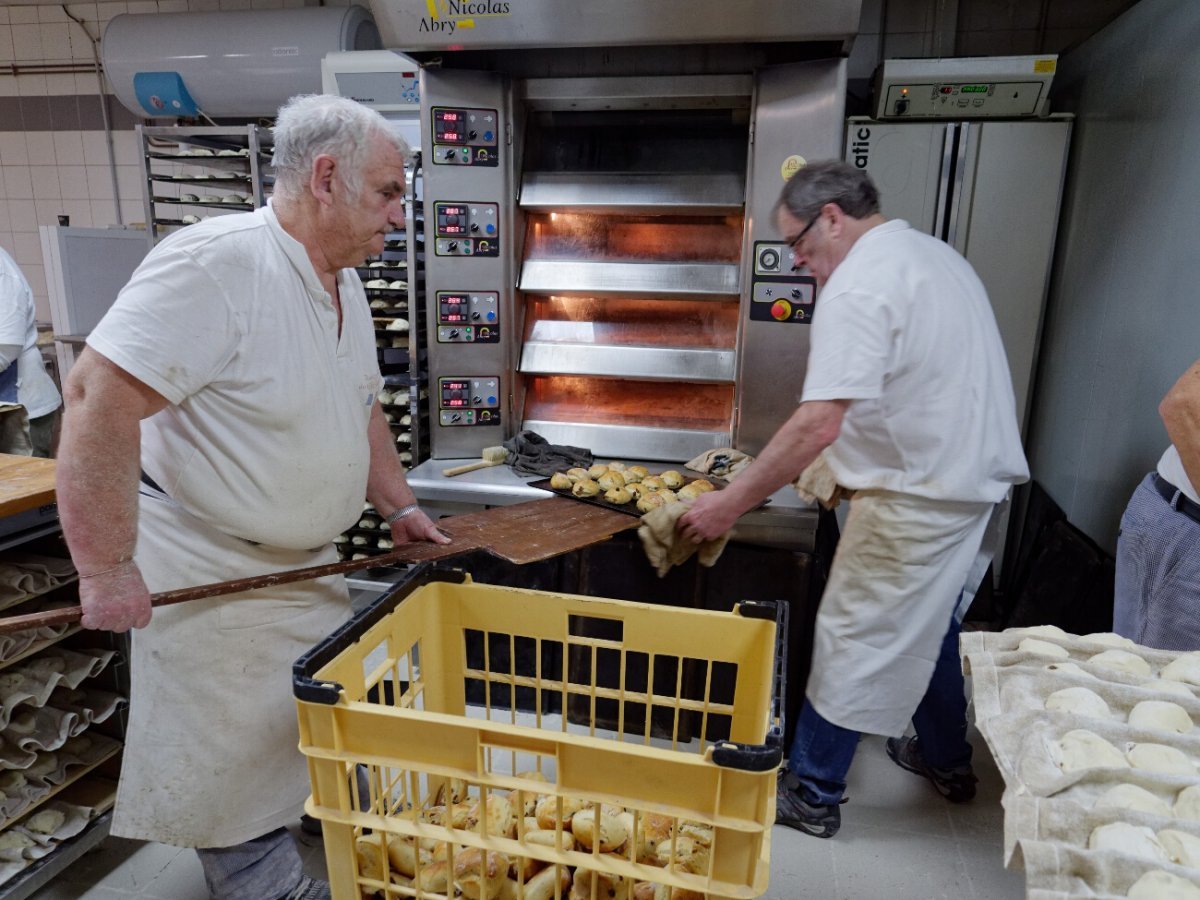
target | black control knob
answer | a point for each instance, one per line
(472, 134)
(769, 260)
(455, 418)
(476, 400)
(451, 153)
(452, 246)
(475, 316)
(797, 293)
(454, 334)
(474, 226)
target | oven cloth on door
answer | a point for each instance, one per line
(897, 574)
(216, 771)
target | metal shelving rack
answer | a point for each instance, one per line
(192, 173)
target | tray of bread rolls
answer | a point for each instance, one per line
(1098, 742)
(631, 489)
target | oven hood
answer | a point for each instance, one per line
(434, 25)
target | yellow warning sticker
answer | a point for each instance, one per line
(792, 165)
(1044, 66)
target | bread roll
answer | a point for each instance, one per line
(369, 851)
(1122, 661)
(616, 466)
(669, 497)
(478, 875)
(610, 480)
(596, 470)
(688, 492)
(652, 483)
(1160, 885)
(1130, 796)
(1125, 838)
(548, 838)
(1161, 715)
(652, 830)
(703, 485)
(635, 489)
(497, 815)
(560, 481)
(434, 877)
(650, 500)
(453, 790)
(1043, 648)
(190, 219)
(618, 496)
(672, 479)
(548, 812)
(610, 834)
(585, 488)
(577, 474)
(551, 882)
(1079, 701)
(1160, 758)
(640, 471)
(606, 887)
(1082, 749)
(690, 856)
(403, 855)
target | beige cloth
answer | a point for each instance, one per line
(818, 484)
(724, 462)
(665, 547)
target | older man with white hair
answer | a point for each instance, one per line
(223, 423)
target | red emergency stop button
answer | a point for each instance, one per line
(781, 310)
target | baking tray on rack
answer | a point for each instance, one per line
(631, 508)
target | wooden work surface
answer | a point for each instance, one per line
(531, 531)
(26, 482)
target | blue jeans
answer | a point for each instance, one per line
(821, 752)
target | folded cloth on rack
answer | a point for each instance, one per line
(531, 453)
(724, 462)
(817, 483)
(666, 547)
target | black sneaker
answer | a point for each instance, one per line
(794, 811)
(956, 785)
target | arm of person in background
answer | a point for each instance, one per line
(388, 489)
(810, 429)
(98, 466)
(1180, 411)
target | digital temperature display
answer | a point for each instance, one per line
(447, 126)
(452, 210)
(452, 229)
(448, 116)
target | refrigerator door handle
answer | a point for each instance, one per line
(946, 172)
(960, 172)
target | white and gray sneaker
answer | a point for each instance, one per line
(309, 889)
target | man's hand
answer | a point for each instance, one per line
(416, 526)
(709, 516)
(116, 600)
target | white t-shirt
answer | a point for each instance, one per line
(1171, 468)
(903, 329)
(266, 435)
(18, 327)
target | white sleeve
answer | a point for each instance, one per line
(172, 327)
(13, 316)
(9, 354)
(851, 345)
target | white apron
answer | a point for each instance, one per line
(896, 576)
(211, 756)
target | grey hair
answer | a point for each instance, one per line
(829, 181)
(310, 125)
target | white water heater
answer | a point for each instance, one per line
(238, 64)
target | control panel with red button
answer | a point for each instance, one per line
(468, 317)
(469, 401)
(778, 293)
(465, 137)
(466, 229)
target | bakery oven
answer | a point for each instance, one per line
(604, 268)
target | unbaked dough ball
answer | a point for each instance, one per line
(1043, 648)
(1160, 885)
(1109, 639)
(1130, 796)
(1083, 749)
(1122, 661)
(1187, 803)
(1160, 758)
(1042, 631)
(1125, 838)
(15, 840)
(1162, 715)
(1185, 668)
(1174, 688)
(1181, 847)
(48, 821)
(1079, 700)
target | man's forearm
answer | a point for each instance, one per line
(387, 488)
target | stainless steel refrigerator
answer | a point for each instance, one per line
(992, 190)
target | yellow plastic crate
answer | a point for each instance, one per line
(525, 705)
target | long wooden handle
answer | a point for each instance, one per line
(470, 467)
(69, 614)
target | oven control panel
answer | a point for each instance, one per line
(779, 294)
(466, 228)
(468, 317)
(469, 401)
(465, 137)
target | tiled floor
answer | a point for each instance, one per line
(899, 840)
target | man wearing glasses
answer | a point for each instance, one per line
(909, 401)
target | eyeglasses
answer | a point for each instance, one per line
(798, 238)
